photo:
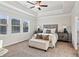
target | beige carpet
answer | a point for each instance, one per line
(62, 49)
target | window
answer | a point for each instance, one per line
(25, 26)
(15, 25)
(3, 25)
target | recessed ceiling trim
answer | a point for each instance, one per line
(13, 7)
(49, 13)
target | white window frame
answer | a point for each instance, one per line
(27, 25)
(15, 25)
(4, 17)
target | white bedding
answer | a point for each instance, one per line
(52, 37)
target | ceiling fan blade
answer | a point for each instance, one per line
(32, 7)
(38, 2)
(30, 2)
(39, 8)
(43, 5)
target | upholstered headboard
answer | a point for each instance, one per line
(51, 26)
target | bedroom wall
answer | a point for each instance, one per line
(62, 19)
(75, 16)
(74, 32)
(12, 38)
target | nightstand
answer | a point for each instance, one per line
(63, 36)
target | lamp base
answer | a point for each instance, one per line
(65, 31)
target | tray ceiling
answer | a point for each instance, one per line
(52, 6)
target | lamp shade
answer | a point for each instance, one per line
(64, 26)
(38, 26)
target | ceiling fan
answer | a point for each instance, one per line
(37, 5)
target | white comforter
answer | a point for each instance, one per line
(52, 38)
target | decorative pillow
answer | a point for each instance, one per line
(48, 31)
(38, 36)
(45, 37)
(44, 30)
(53, 30)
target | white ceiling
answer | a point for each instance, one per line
(52, 6)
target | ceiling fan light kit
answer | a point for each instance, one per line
(37, 5)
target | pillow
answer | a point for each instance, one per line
(38, 36)
(45, 37)
(44, 30)
(48, 31)
(53, 30)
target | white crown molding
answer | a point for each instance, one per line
(20, 10)
(55, 15)
(49, 13)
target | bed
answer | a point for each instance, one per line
(52, 36)
(45, 44)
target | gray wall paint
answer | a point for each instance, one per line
(61, 20)
(10, 38)
(75, 16)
